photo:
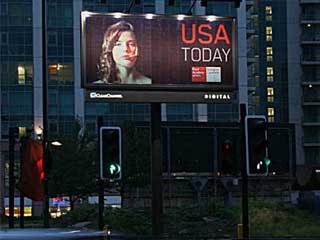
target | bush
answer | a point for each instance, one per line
(85, 212)
(279, 219)
(131, 221)
(219, 210)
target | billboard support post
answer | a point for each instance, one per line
(156, 169)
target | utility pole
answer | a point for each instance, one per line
(46, 223)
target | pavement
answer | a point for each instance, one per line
(50, 234)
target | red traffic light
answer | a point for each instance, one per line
(227, 146)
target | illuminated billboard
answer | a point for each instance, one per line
(157, 53)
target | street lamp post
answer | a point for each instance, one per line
(45, 118)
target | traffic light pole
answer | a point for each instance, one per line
(245, 214)
(46, 216)
(101, 187)
(156, 169)
(22, 150)
(11, 177)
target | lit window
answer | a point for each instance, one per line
(271, 114)
(52, 68)
(268, 34)
(270, 94)
(269, 30)
(269, 54)
(268, 10)
(55, 68)
(269, 71)
(269, 38)
(270, 78)
(22, 131)
(21, 75)
(60, 72)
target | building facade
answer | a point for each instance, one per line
(310, 79)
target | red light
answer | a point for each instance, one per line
(40, 168)
(58, 199)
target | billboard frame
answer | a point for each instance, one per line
(187, 88)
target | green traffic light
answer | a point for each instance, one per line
(267, 161)
(114, 168)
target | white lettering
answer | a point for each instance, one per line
(192, 55)
(217, 96)
(104, 95)
(185, 52)
(217, 55)
(206, 54)
(209, 54)
(226, 54)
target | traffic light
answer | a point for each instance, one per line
(256, 145)
(110, 153)
(227, 163)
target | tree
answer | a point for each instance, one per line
(74, 165)
(136, 157)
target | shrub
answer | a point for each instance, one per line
(131, 221)
(83, 213)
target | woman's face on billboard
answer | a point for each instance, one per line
(125, 50)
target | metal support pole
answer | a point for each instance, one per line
(11, 177)
(46, 222)
(101, 187)
(291, 163)
(245, 214)
(169, 164)
(215, 161)
(156, 169)
(22, 148)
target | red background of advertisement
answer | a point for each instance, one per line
(202, 77)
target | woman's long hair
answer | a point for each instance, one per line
(107, 68)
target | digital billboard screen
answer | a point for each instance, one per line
(157, 52)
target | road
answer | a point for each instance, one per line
(49, 234)
(57, 234)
